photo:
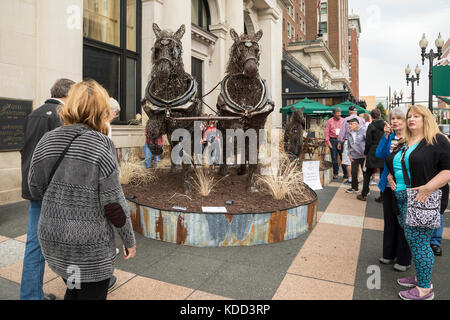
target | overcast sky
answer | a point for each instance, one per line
(391, 31)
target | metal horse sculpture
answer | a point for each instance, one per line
(293, 133)
(171, 93)
(244, 94)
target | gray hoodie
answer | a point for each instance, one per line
(357, 142)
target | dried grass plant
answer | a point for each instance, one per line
(203, 179)
(285, 182)
(134, 173)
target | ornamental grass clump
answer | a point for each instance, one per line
(203, 179)
(132, 172)
(284, 182)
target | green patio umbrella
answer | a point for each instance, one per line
(311, 107)
(344, 108)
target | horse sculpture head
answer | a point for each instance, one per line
(294, 132)
(167, 52)
(244, 57)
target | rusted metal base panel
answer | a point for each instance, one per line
(216, 230)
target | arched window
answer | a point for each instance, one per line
(200, 15)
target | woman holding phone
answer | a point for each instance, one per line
(74, 169)
(423, 161)
(395, 247)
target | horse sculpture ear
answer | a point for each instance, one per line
(293, 109)
(258, 35)
(157, 30)
(302, 109)
(179, 34)
(234, 35)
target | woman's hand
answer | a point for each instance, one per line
(129, 252)
(423, 193)
(387, 129)
(391, 181)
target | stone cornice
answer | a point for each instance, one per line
(160, 1)
(219, 30)
(203, 35)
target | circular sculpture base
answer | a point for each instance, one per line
(218, 229)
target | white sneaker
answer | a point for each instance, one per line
(351, 191)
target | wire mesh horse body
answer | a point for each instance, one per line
(171, 93)
(244, 93)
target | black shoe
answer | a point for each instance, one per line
(112, 283)
(379, 199)
(49, 296)
(361, 197)
(436, 249)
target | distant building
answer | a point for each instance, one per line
(371, 102)
(354, 26)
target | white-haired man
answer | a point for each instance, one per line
(115, 111)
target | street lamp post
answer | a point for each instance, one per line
(412, 79)
(397, 98)
(431, 55)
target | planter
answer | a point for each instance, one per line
(218, 229)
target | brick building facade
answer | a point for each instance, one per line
(354, 32)
(294, 22)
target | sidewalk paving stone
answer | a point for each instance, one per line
(296, 287)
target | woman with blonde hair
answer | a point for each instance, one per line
(421, 163)
(74, 168)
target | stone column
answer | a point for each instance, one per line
(59, 44)
(219, 60)
(270, 21)
(176, 13)
(234, 15)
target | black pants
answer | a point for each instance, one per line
(356, 163)
(367, 175)
(394, 241)
(88, 291)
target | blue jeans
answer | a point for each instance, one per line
(33, 261)
(148, 157)
(436, 237)
(334, 157)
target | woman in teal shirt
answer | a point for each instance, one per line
(427, 158)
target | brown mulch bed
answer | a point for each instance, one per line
(167, 192)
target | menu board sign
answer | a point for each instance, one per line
(12, 123)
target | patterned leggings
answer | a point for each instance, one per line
(419, 243)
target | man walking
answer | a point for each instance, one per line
(332, 130)
(40, 121)
(343, 136)
(375, 131)
(356, 146)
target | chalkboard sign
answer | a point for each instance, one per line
(12, 123)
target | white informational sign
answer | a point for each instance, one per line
(311, 174)
(214, 209)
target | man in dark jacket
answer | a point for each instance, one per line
(373, 136)
(40, 121)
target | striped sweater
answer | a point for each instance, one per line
(82, 203)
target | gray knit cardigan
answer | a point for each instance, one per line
(75, 228)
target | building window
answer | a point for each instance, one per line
(323, 8)
(289, 30)
(111, 51)
(200, 14)
(324, 27)
(197, 73)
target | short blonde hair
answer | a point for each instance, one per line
(430, 127)
(87, 103)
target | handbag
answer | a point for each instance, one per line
(421, 214)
